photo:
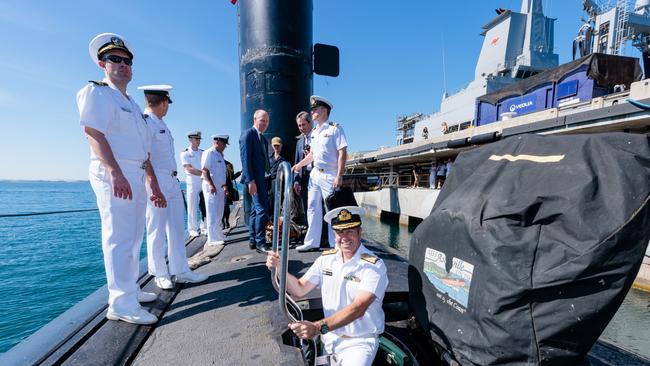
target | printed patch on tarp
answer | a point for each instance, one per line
(453, 286)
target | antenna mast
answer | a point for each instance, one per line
(444, 67)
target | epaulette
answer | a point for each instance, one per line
(98, 83)
(334, 124)
(331, 251)
(369, 258)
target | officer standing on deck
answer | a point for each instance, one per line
(215, 187)
(191, 161)
(120, 143)
(353, 282)
(328, 153)
(165, 229)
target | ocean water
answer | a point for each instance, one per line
(48, 263)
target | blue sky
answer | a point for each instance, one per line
(391, 64)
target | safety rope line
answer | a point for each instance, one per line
(45, 213)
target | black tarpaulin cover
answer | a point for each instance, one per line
(531, 247)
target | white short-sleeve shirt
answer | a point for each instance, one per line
(340, 283)
(215, 163)
(119, 118)
(326, 141)
(192, 158)
(162, 144)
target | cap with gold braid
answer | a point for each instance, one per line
(344, 213)
(162, 90)
(194, 134)
(221, 137)
(105, 42)
(317, 100)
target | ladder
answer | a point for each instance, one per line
(621, 35)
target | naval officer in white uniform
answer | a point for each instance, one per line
(120, 143)
(215, 187)
(165, 227)
(191, 161)
(328, 153)
(352, 281)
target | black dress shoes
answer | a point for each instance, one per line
(263, 248)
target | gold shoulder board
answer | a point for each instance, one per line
(98, 83)
(369, 258)
(331, 251)
(334, 124)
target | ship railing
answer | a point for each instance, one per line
(389, 180)
(361, 182)
(280, 243)
(394, 180)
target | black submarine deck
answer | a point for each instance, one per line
(233, 318)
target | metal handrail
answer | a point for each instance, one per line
(283, 176)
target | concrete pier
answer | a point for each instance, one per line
(405, 202)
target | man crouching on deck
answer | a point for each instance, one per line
(352, 282)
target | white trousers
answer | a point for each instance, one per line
(193, 191)
(358, 351)
(122, 232)
(320, 186)
(214, 204)
(165, 230)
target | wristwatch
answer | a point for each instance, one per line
(323, 328)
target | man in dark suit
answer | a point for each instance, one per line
(303, 146)
(254, 153)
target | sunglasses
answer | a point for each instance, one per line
(118, 59)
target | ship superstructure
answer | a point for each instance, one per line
(516, 45)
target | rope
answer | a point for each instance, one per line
(46, 213)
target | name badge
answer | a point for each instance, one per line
(327, 272)
(352, 278)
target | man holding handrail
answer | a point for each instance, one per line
(352, 281)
